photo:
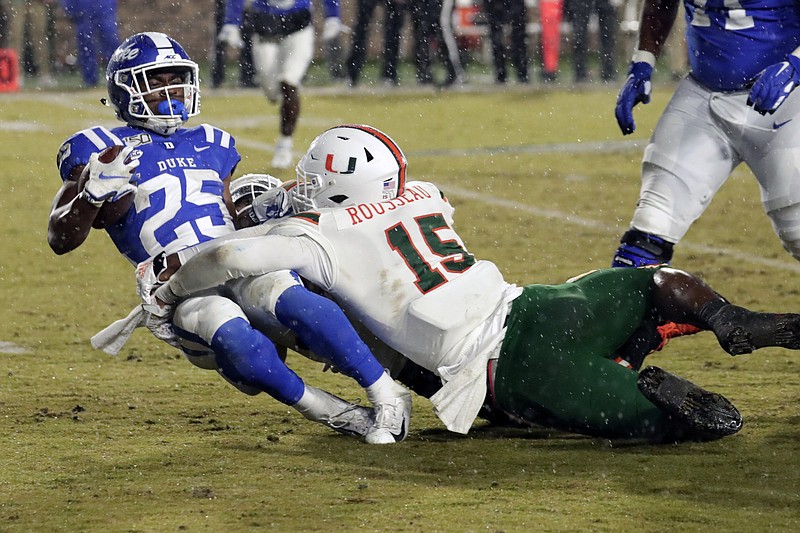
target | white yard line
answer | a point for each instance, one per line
(566, 218)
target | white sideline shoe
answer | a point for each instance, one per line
(391, 420)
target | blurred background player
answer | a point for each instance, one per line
(738, 105)
(513, 13)
(169, 189)
(283, 47)
(25, 27)
(96, 34)
(581, 12)
(394, 11)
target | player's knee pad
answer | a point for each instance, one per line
(786, 223)
(262, 292)
(196, 320)
(669, 202)
(640, 249)
(202, 316)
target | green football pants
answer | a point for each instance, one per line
(556, 364)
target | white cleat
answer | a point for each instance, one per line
(347, 418)
(391, 420)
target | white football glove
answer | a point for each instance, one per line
(146, 284)
(272, 204)
(232, 35)
(110, 181)
(159, 318)
(331, 29)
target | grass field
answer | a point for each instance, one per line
(543, 184)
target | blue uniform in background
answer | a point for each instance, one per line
(738, 105)
(96, 34)
(730, 45)
(185, 169)
(234, 10)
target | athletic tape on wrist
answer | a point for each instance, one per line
(643, 56)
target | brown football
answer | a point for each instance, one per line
(108, 154)
(110, 212)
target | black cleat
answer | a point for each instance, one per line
(740, 331)
(706, 413)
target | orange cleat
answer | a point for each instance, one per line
(673, 329)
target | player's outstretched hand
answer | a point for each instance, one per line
(774, 85)
(636, 89)
(110, 180)
(274, 203)
(231, 35)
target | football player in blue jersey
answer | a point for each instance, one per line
(168, 189)
(737, 105)
(283, 47)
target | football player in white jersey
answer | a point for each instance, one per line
(738, 105)
(168, 189)
(386, 251)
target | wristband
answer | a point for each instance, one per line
(84, 195)
(643, 56)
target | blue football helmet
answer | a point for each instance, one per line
(138, 58)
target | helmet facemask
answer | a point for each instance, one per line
(171, 113)
(245, 189)
(129, 74)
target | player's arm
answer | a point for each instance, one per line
(656, 22)
(77, 206)
(245, 257)
(71, 216)
(657, 19)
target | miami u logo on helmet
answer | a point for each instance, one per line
(351, 165)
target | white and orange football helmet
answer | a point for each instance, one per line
(347, 165)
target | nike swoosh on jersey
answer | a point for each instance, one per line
(777, 125)
(201, 148)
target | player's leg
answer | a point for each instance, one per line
(769, 146)
(684, 298)
(323, 327)
(108, 37)
(265, 62)
(686, 162)
(295, 53)
(249, 361)
(786, 223)
(87, 50)
(553, 368)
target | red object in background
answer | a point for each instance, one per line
(550, 14)
(465, 26)
(9, 70)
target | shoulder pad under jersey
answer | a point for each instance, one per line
(80, 146)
